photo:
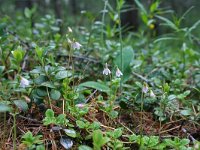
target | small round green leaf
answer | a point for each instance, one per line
(41, 92)
(62, 74)
(41, 79)
(70, 132)
(55, 95)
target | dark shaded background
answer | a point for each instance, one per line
(70, 11)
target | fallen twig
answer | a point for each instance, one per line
(161, 132)
(141, 77)
(91, 95)
(30, 119)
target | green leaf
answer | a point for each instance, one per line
(84, 147)
(184, 141)
(99, 140)
(21, 104)
(186, 93)
(193, 27)
(171, 97)
(41, 79)
(4, 108)
(49, 117)
(132, 138)
(166, 87)
(40, 147)
(169, 142)
(70, 132)
(144, 18)
(3, 25)
(117, 133)
(165, 39)
(61, 119)
(2, 69)
(80, 124)
(28, 138)
(27, 135)
(27, 12)
(113, 114)
(39, 51)
(145, 140)
(41, 92)
(48, 84)
(18, 55)
(186, 112)
(154, 6)
(49, 113)
(62, 74)
(127, 57)
(37, 70)
(55, 95)
(95, 85)
(153, 141)
(54, 28)
(95, 125)
(139, 4)
(168, 22)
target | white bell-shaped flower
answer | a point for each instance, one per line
(76, 45)
(24, 82)
(152, 95)
(69, 29)
(145, 88)
(118, 73)
(106, 71)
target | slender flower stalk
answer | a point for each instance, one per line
(141, 119)
(14, 132)
(119, 6)
(103, 19)
(145, 89)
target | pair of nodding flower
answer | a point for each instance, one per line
(145, 89)
(74, 44)
(107, 71)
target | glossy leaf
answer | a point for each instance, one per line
(66, 142)
(21, 104)
(70, 132)
(62, 74)
(95, 85)
(55, 94)
(99, 140)
(4, 108)
(84, 147)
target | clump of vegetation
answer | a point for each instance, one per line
(100, 86)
